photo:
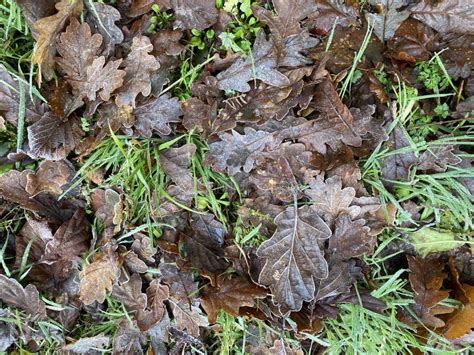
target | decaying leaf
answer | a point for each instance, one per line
(462, 321)
(128, 339)
(99, 276)
(198, 14)
(229, 295)
(236, 151)
(156, 295)
(129, 293)
(262, 66)
(426, 278)
(446, 16)
(156, 115)
(428, 240)
(138, 65)
(102, 18)
(8, 332)
(437, 159)
(48, 29)
(13, 294)
(294, 258)
(389, 19)
(205, 246)
(10, 99)
(108, 205)
(13, 188)
(351, 238)
(51, 176)
(87, 345)
(52, 138)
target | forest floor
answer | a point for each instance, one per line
(236, 176)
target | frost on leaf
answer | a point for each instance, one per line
(294, 258)
(48, 29)
(52, 138)
(261, 66)
(139, 65)
(156, 115)
(199, 14)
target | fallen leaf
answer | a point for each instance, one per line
(48, 29)
(13, 188)
(108, 208)
(262, 65)
(342, 274)
(10, 99)
(289, 14)
(52, 138)
(129, 293)
(128, 339)
(27, 299)
(199, 14)
(428, 240)
(51, 176)
(351, 238)
(330, 199)
(8, 332)
(102, 18)
(328, 12)
(280, 348)
(446, 16)
(138, 65)
(99, 276)
(143, 246)
(236, 151)
(426, 279)
(156, 295)
(188, 317)
(87, 345)
(181, 284)
(156, 115)
(388, 18)
(294, 50)
(294, 258)
(204, 244)
(229, 295)
(462, 321)
(438, 158)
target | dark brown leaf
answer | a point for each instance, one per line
(426, 279)
(204, 244)
(108, 205)
(130, 294)
(51, 176)
(10, 99)
(351, 238)
(181, 283)
(438, 158)
(156, 295)
(446, 16)
(322, 20)
(229, 295)
(388, 18)
(294, 258)
(13, 294)
(236, 151)
(143, 246)
(262, 65)
(156, 115)
(102, 18)
(128, 339)
(199, 14)
(13, 188)
(52, 138)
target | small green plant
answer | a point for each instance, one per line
(200, 39)
(242, 30)
(159, 19)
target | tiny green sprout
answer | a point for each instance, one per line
(195, 32)
(210, 34)
(442, 110)
(155, 8)
(85, 124)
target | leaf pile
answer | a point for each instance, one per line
(267, 131)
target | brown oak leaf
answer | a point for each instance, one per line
(130, 294)
(51, 176)
(99, 276)
(462, 321)
(426, 278)
(108, 207)
(52, 138)
(229, 295)
(12, 293)
(156, 295)
(204, 244)
(262, 65)
(294, 257)
(138, 65)
(156, 115)
(199, 14)
(48, 29)
(351, 238)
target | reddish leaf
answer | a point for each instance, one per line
(229, 295)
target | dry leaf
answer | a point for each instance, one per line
(462, 321)
(229, 295)
(48, 29)
(199, 14)
(156, 115)
(294, 258)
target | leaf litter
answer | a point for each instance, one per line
(193, 165)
